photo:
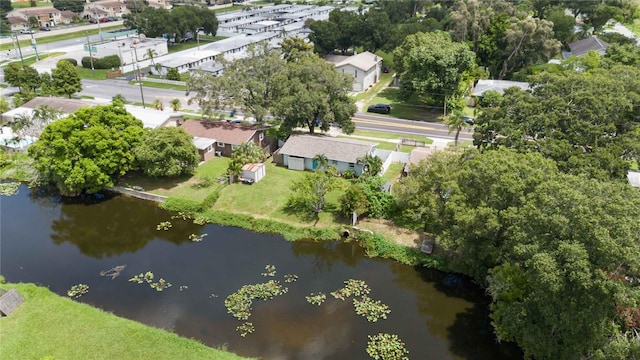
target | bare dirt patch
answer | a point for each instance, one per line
(405, 237)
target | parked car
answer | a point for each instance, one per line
(112, 19)
(93, 21)
(386, 69)
(27, 31)
(379, 108)
(44, 28)
(104, 20)
(469, 120)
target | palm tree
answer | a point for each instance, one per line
(175, 105)
(158, 68)
(456, 122)
(158, 105)
(372, 164)
(150, 54)
(234, 169)
(321, 162)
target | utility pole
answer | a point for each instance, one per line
(93, 71)
(139, 76)
(19, 49)
(35, 46)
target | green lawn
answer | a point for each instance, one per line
(405, 108)
(27, 4)
(635, 26)
(197, 187)
(366, 96)
(59, 37)
(160, 85)
(230, 8)
(385, 135)
(97, 74)
(30, 60)
(48, 326)
(268, 197)
(394, 171)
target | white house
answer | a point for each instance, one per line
(366, 68)
(298, 152)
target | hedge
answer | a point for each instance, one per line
(107, 62)
(73, 62)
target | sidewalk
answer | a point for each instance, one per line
(437, 144)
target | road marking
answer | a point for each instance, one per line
(389, 123)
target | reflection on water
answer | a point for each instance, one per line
(61, 243)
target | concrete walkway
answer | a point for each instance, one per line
(437, 144)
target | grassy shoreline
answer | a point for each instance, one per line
(48, 326)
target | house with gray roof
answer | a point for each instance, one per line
(582, 47)
(366, 68)
(496, 85)
(298, 152)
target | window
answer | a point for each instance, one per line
(352, 165)
(356, 75)
(261, 136)
(210, 148)
(220, 144)
(233, 147)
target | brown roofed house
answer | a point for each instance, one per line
(220, 138)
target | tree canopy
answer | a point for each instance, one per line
(177, 23)
(576, 118)
(431, 63)
(76, 6)
(559, 253)
(65, 79)
(166, 152)
(88, 150)
(311, 93)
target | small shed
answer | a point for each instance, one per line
(9, 301)
(252, 173)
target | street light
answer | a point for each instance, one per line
(135, 50)
(35, 46)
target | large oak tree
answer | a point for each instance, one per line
(88, 150)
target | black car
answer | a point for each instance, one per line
(386, 69)
(379, 108)
(44, 28)
(469, 120)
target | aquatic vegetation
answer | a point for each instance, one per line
(316, 298)
(197, 238)
(371, 309)
(160, 285)
(386, 347)
(164, 225)
(289, 278)
(182, 215)
(352, 288)
(140, 278)
(245, 328)
(148, 277)
(114, 272)
(78, 290)
(239, 303)
(8, 189)
(270, 271)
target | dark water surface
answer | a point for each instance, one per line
(60, 243)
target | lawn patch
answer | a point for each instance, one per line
(411, 108)
(196, 187)
(48, 326)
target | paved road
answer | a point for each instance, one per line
(365, 121)
(104, 90)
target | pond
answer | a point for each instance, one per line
(59, 243)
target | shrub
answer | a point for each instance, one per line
(173, 74)
(183, 205)
(107, 62)
(349, 174)
(73, 62)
